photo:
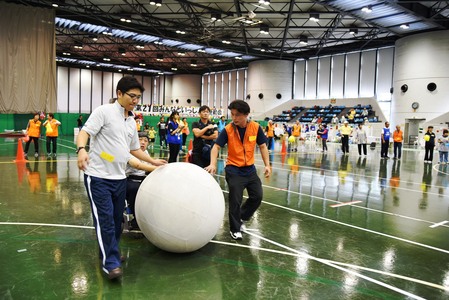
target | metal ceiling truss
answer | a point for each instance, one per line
(286, 20)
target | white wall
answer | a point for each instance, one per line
(419, 60)
(186, 87)
(269, 77)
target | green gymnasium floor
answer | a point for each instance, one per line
(391, 242)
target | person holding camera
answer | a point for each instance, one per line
(204, 134)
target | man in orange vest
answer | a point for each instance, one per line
(242, 136)
(270, 134)
(398, 137)
(34, 132)
(296, 132)
(51, 126)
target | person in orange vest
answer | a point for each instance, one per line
(296, 132)
(51, 126)
(33, 131)
(270, 134)
(242, 136)
(398, 137)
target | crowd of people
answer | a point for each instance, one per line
(115, 160)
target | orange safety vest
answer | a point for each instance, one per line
(270, 131)
(398, 136)
(241, 154)
(54, 128)
(34, 128)
(296, 130)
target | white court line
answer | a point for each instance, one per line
(361, 228)
(430, 284)
(345, 203)
(296, 253)
(356, 175)
(356, 206)
(438, 224)
(439, 171)
(325, 262)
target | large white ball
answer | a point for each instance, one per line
(179, 207)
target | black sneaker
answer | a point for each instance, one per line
(236, 235)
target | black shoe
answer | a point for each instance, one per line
(115, 273)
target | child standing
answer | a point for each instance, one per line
(152, 136)
(443, 147)
(429, 137)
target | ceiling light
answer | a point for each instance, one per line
(202, 50)
(158, 42)
(122, 51)
(140, 46)
(238, 57)
(156, 2)
(314, 17)
(174, 67)
(215, 17)
(93, 37)
(225, 42)
(107, 31)
(193, 63)
(66, 53)
(180, 31)
(353, 31)
(217, 60)
(106, 58)
(264, 29)
(181, 53)
(303, 40)
(159, 57)
(78, 46)
(266, 2)
(405, 26)
(367, 9)
(142, 63)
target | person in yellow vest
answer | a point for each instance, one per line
(33, 131)
(242, 136)
(296, 132)
(51, 126)
(270, 134)
(345, 132)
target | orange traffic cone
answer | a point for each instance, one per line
(283, 149)
(189, 151)
(20, 156)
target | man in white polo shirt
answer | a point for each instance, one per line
(113, 140)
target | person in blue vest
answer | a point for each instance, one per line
(385, 140)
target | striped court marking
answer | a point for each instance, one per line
(360, 175)
(357, 206)
(330, 264)
(435, 167)
(361, 228)
(293, 252)
(346, 203)
(430, 284)
(438, 224)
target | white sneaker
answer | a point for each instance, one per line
(243, 227)
(236, 235)
(36, 154)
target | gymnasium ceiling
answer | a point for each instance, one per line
(180, 36)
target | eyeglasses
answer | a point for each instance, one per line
(134, 96)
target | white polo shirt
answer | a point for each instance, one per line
(112, 136)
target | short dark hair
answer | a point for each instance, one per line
(204, 107)
(430, 127)
(445, 131)
(241, 106)
(51, 115)
(143, 134)
(127, 83)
